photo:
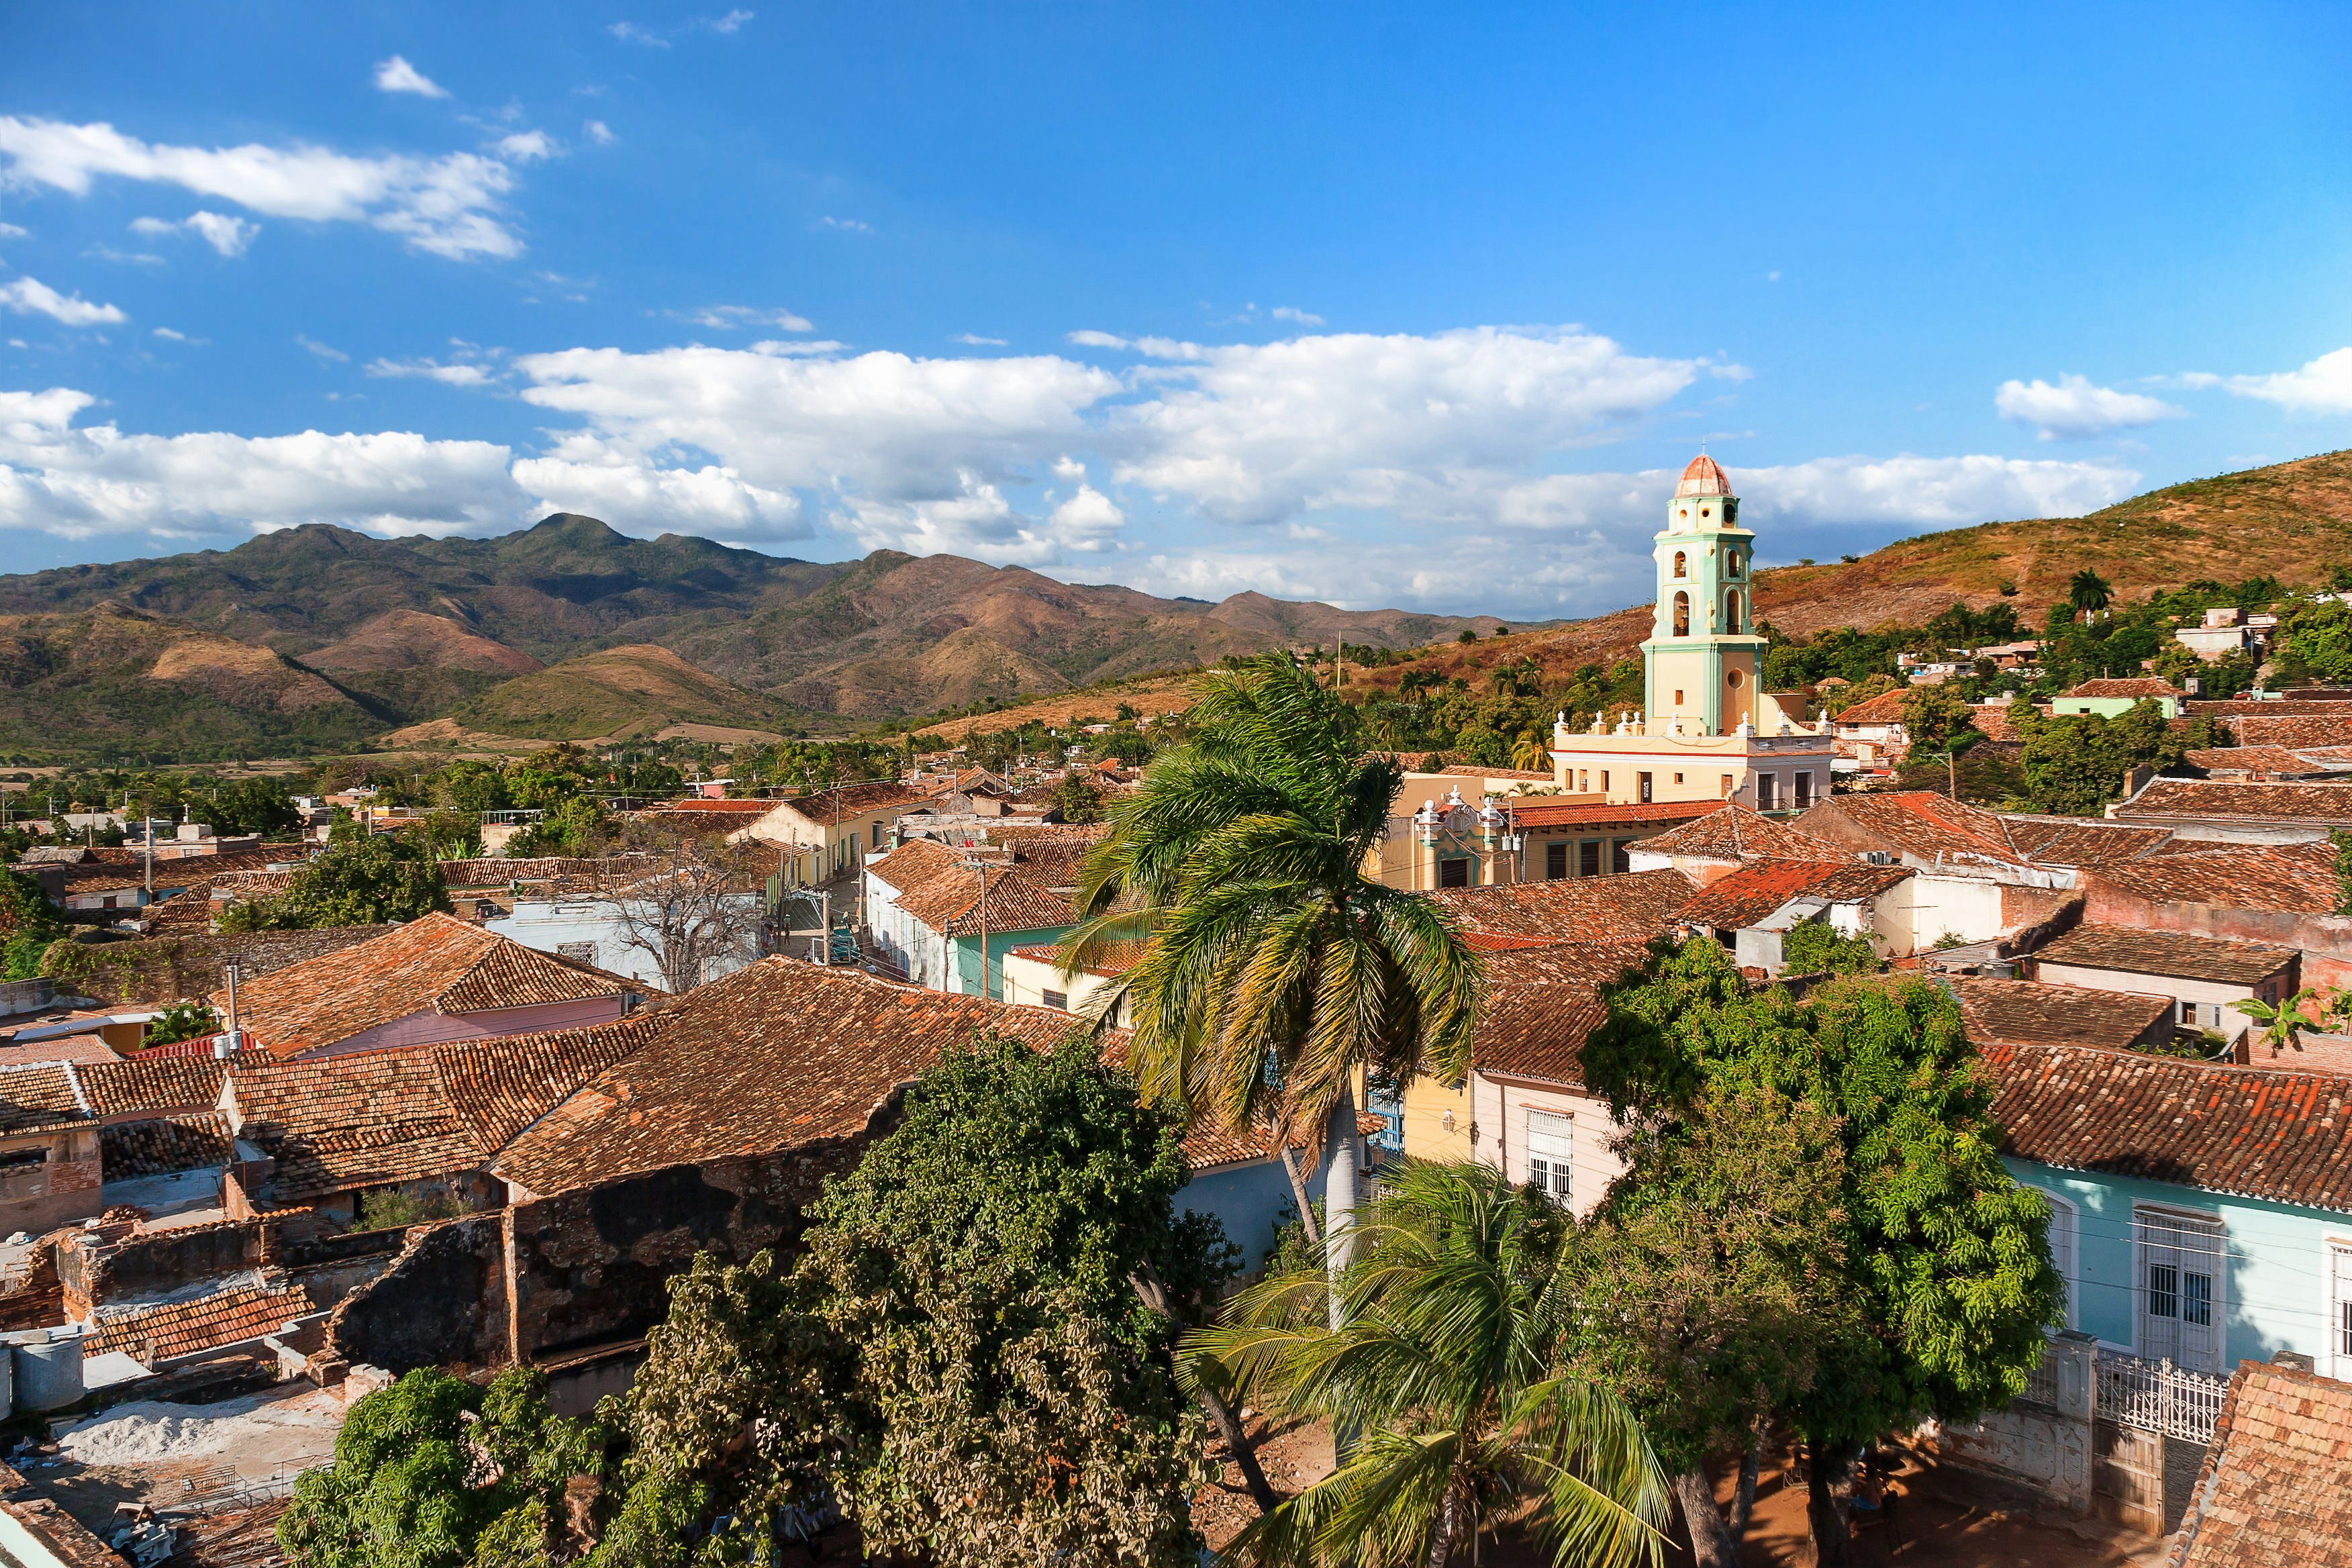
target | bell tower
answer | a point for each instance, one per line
(1702, 661)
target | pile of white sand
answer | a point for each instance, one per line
(261, 1426)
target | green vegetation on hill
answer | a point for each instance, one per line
(622, 691)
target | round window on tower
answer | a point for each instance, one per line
(1733, 680)
(1684, 514)
(1706, 511)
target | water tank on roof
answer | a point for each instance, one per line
(47, 1368)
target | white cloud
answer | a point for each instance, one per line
(322, 350)
(1256, 434)
(1087, 521)
(1089, 338)
(630, 33)
(171, 336)
(448, 206)
(31, 297)
(850, 224)
(396, 75)
(431, 370)
(976, 340)
(1292, 313)
(81, 482)
(730, 23)
(2323, 386)
(526, 146)
(11, 231)
(230, 236)
(587, 475)
(126, 257)
(2077, 408)
(735, 318)
(599, 132)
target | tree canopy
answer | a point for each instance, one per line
(357, 880)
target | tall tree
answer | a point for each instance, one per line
(2087, 593)
(1278, 968)
(1945, 1259)
(1453, 1305)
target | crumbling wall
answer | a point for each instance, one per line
(443, 1300)
(592, 1266)
(165, 969)
(95, 1270)
(2325, 940)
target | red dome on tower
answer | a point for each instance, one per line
(1705, 476)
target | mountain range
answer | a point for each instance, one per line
(571, 630)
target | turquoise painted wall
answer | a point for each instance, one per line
(1248, 1200)
(2275, 1287)
(999, 944)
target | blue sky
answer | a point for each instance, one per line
(1374, 304)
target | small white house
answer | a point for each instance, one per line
(591, 931)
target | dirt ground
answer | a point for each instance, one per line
(1947, 1518)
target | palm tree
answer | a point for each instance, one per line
(1532, 751)
(2088, 592)
(1445, 1366)
(1276, 970)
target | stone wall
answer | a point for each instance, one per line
(2045, 1445)
(155, 970)
(442, 1302)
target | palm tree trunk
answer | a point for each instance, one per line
(1340, 1190)
(1712, 1543)
(1237, 1444)
(1449, 1525)
(1307, 1221)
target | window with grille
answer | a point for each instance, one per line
(1454, 873)
(1060, 999)
(2339, 1308)
(1804, 789)
(1549, 1146)
(1555, 862)
(2180, 1316)
(1621, 859)
(1587, 858)
(1768, 792)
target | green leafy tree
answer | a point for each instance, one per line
(1945, 1257)
(2075, 764)
(1698, 1285)
(359, 881)
(573, 826)
(1278, 969)
(27, 925)
(180, 1021)
(1816, 947)
(2314, 642)
(472, 787)
(961, 1361)
(1451, 1308)
(433, 1472)
(1078, 798)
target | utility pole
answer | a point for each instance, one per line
(983, 932)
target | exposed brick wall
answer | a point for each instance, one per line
(2325, 940)
(166, 969)
(2038, 906)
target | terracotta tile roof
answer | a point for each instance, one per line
(362, 1120)
(2076, 841)
(778, 1054)
(1924, 824)
(914, 864)
(160, 1331)
(2277, 761)
(1541, 1003)
(436, 963)
(2131, 950)
(2293, 729)
(1759, 886)
(39, 1096)
(2245, 708)
(2296, 878)
(158, 1084)
(2134, 687)
(2311, 804)
(492, 871)
(692, 806)
(2276, 1489)
(162, 1144)
(1886, 707)
(1121, 959)
(1542, 813)
(498, 1087)
(2256, 1132)
(953, 902)
(1631, 907)
(1733, 831)
(2024, 1012)
(850, 800)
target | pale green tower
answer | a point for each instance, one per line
(1703, 659)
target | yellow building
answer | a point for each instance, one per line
(1708, 731)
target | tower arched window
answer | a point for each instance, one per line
(1682, 615)
(1682, 564)
(1731, 611)
(1731, 563)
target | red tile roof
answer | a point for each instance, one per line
(2256, 1132)
(1927, 825)
(1540, 813)
(1733, 831)
(498, 1087)
(2276, 1489)
(434, 963)
(158, 1084)
(159, 1332)
(776, 1054)
(964, 899)
(850, 800)
(1118, 960)
(2129, 950)
(2277, 761)
(1703, 476)
(2293, 728)
(39, 1096)
(1540, 1005)
(1631, 907)
(1761, 887)
(366, 1119)
(914, 864)
(1886, 707)
(2289, 878)
(2134, 687)
(2024, 1012)
(2299, 805)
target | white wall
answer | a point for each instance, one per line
(551, 926)
(1026, 981)
(2206, 994)
(1913, 914)
(1500, 1109)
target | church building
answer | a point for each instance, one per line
(1708, 730)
